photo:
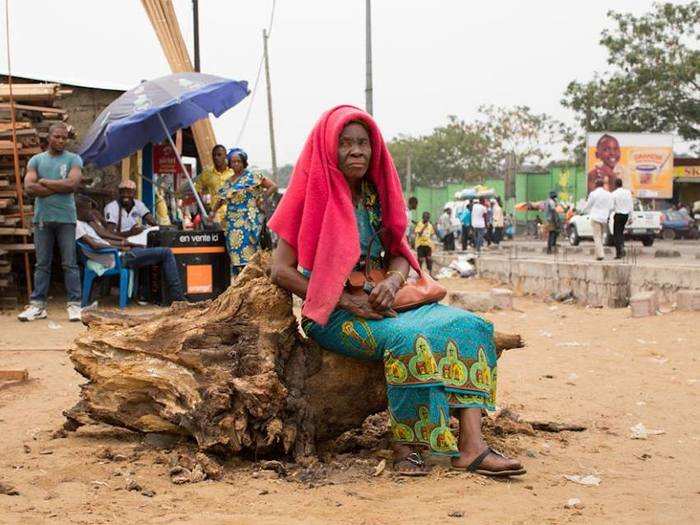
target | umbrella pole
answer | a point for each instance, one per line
(205, 218)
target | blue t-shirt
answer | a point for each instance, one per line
(59, 207)
(466, 217)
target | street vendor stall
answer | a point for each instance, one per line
(148, 115)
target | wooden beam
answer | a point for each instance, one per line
(21, 247)
(15, 231)
(30, 92)
(14, 375)
(7, 126)
(40, 109)
(8, 194)
(25, 152)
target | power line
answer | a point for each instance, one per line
(257, 78)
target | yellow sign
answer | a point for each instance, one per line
(643, 161)
(686, 172)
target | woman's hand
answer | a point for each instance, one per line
(383, 294)
(361, 307)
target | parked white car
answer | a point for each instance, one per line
(642, 226)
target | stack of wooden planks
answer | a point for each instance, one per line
(162, 15)
(35, 111)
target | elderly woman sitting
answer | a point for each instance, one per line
(437, 359)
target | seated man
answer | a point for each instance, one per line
(133, 257)
(125, 214)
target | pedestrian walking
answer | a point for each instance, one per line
(498, 221)
(411, 224)
(552, 221)
(488, 235)
(424, 232)
(446, 230)
(479, 213)
(52, 178)
(466, 219)
(622, 208)
(599, 205)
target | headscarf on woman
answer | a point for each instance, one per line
(316, 215)
(237, 151)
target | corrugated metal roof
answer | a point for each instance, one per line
(68, 81)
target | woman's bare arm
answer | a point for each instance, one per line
(286, 275)
(284, 270)
(270, 187)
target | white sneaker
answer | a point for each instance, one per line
(31, 313)
(74, 313)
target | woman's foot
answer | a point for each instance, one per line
(409, 463)
(488, 463)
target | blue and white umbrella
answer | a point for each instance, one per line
(152, 111)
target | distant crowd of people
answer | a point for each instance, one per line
(482, 221)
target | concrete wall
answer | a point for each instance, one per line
(596, 284)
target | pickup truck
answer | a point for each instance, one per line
(642, 225)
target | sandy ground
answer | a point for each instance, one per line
(597, 367)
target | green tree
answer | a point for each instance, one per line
(653, 83)
(468, 152)
(455, 152)
(524, 136)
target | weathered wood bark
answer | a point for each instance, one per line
(233, 373)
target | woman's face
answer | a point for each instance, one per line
(354, 152)
(236, 164)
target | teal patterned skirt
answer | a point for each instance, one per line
(436, 358)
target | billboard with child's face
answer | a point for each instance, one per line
(644, 162)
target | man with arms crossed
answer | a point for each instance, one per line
(53, 177)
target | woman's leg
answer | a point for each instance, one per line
(471, 443)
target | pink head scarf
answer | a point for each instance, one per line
(316, 215)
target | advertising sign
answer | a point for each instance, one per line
(687, 173)
(644, 162)
(165, 160)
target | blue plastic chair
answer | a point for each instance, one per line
(89, 275)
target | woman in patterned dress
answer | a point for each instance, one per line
(437, 359)
(242, 193)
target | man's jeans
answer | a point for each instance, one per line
(45, 236)
(479, 238)
(141, 257)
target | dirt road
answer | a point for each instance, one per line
(596, 367)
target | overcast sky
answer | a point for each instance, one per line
(432, 58)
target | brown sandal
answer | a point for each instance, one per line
(474, 466)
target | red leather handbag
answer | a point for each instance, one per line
(412, 294)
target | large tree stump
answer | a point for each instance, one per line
(233, 373)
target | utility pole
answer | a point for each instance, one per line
(269, 108)
(368, 50)
(195, 23)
